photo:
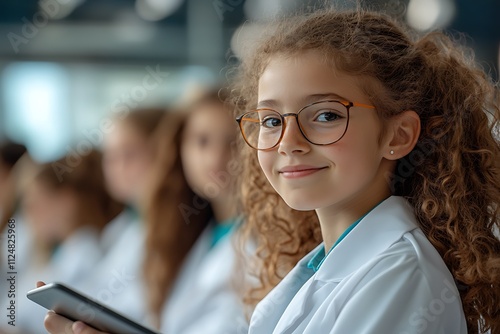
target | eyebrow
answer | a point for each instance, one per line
(306, 100)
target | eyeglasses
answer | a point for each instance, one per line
(321, 123)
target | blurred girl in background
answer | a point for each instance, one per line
(65, 208)
(189, 259)
(10, 156)
(15, 162)
(128, 155)
(190, 218)
(116, 279)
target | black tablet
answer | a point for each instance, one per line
(76, 306)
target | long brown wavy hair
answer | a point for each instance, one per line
(451, 178)
(174, 214)
(144, 120)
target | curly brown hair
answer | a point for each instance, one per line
(452, 176)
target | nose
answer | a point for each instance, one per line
(292, 141)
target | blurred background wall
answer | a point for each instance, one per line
(66, 66)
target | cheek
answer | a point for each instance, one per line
(266, 162)
(355, 162)
(352, 161)
(140, 168)
(359, 145)
(193, 167)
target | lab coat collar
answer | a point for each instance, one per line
(376, 232)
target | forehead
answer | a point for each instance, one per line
(294, 77)
(123, 132)
(209, 116)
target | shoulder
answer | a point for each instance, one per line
(409, 269)
(412, 256)
(406, 287)
(388, 238)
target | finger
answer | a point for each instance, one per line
(56, 324)
(80, 328)
(39, 284)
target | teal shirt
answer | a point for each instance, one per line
(221, 230)
(132, 212)
(318, 259)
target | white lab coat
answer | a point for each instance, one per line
(23, 244)
(116, 279)
(203, 299)
(384, 277)
(22, 252)
(74, 257)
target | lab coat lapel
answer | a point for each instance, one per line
(269, 311)
(376, 232)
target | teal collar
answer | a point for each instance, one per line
(132, 212)
(318, 259)
(222, 229)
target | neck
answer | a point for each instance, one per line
(335, 219)
(223, 209)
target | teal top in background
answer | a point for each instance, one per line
(132, 212)
(222, 229)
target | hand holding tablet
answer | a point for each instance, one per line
(75, 306)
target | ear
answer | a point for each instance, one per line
(402, 134)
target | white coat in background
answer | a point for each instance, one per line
(20, 252)
(384, 277)
(203, 299)
(73, 259)
(116, 279)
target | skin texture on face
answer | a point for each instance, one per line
(341, 181)
(205, 150)
(126, 161)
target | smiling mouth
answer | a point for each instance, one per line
(295, 173)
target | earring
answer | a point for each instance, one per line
(392, 152)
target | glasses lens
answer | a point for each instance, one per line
(261, 128)
(324, 122)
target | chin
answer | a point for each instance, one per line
(298, 203)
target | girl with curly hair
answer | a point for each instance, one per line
(373, 160)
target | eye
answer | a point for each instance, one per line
(327, 116)
(271, 122)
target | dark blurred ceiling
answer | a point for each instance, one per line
(11, 11)
(111, 30)
(196, 32)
